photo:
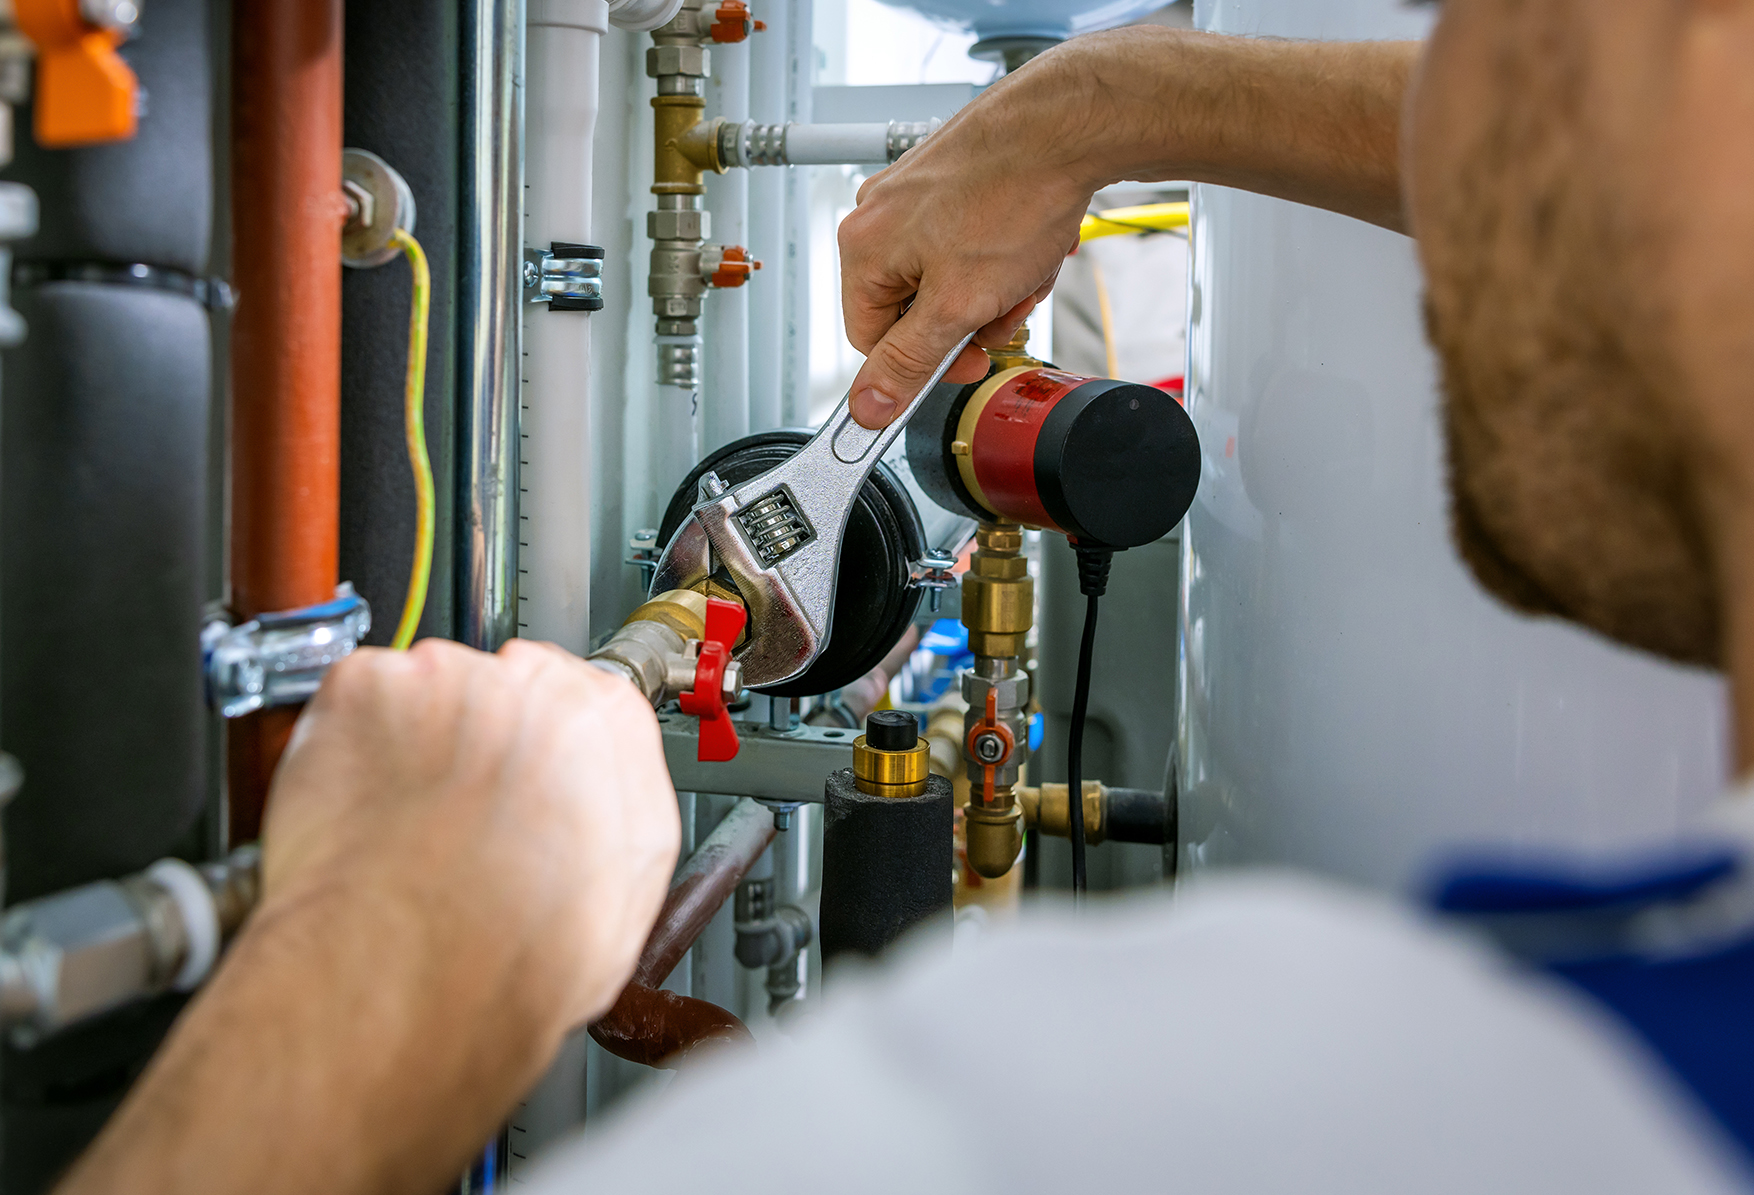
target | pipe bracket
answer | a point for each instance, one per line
(565, 276)
(280, 659)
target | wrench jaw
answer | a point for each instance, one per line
(687, 560)
(784, 636)
(787, 630)
(798, 512)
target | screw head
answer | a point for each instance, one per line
(989, 748)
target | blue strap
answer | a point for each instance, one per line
(1696, 1011)
(1554, 883)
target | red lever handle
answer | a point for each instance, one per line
(718, 734)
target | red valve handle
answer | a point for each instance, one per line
(718, 734)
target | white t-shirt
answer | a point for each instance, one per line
(1252, 1034)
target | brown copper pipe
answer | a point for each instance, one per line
(287, 212)
(655, 1027)
(709, 877)
(647, 1024)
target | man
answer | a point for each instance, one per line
(463, 853)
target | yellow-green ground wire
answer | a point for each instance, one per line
(414, 417)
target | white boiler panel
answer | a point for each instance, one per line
(1351, 701)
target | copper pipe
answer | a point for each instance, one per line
(287, 212)
(705, 882)
(649, 1025)
(655, 1027)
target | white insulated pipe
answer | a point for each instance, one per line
(561, 65)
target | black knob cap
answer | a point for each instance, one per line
(891, 730)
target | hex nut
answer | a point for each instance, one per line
(1012, 692)
(678, 226)
(677, 60)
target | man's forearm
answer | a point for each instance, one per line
(1314, 122)
(323, 1057)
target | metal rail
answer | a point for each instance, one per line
(490, 259)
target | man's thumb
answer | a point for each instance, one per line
(899, 367)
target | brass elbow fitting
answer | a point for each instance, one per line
(995, 837)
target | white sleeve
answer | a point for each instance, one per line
(1257, 1035)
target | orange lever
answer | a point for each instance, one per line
(736, 267)
(85, 93)
(718, 734)
(731, 22)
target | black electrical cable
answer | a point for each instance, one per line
(1093, 583)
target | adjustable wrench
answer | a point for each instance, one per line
(779, 537)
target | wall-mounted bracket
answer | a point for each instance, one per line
(280, 659)
(565, 276)
(786, 768)
(931, 572)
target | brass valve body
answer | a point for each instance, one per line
(891, 773)
(682, 610)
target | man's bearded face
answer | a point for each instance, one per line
(1570, 488)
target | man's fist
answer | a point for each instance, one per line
(508, 814)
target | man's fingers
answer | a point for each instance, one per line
(903, 360)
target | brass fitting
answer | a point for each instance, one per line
(1047, 809)
(1015, 354)
(891, 759)
(674, 117)
(699, 144)
(658, 647)
(995, 836)
(682, 610)
(998, 595)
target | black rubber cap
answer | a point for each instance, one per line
(892, 730)
(1117, 464)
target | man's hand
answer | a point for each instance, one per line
(971, 227)
(973, 224)
(462, 858)
(525, 792)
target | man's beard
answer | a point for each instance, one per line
(1570, 492)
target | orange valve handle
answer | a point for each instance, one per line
(990, 725)
(736, 267)
(85, 93)
(718, 734)
(731, 22)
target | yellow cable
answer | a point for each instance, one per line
(414, 418)
(1152, 217)
(1108, 320)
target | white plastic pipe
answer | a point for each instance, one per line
(795, 352)
(561, 60)
(837, 144)
(726, 319)
(769, 51)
